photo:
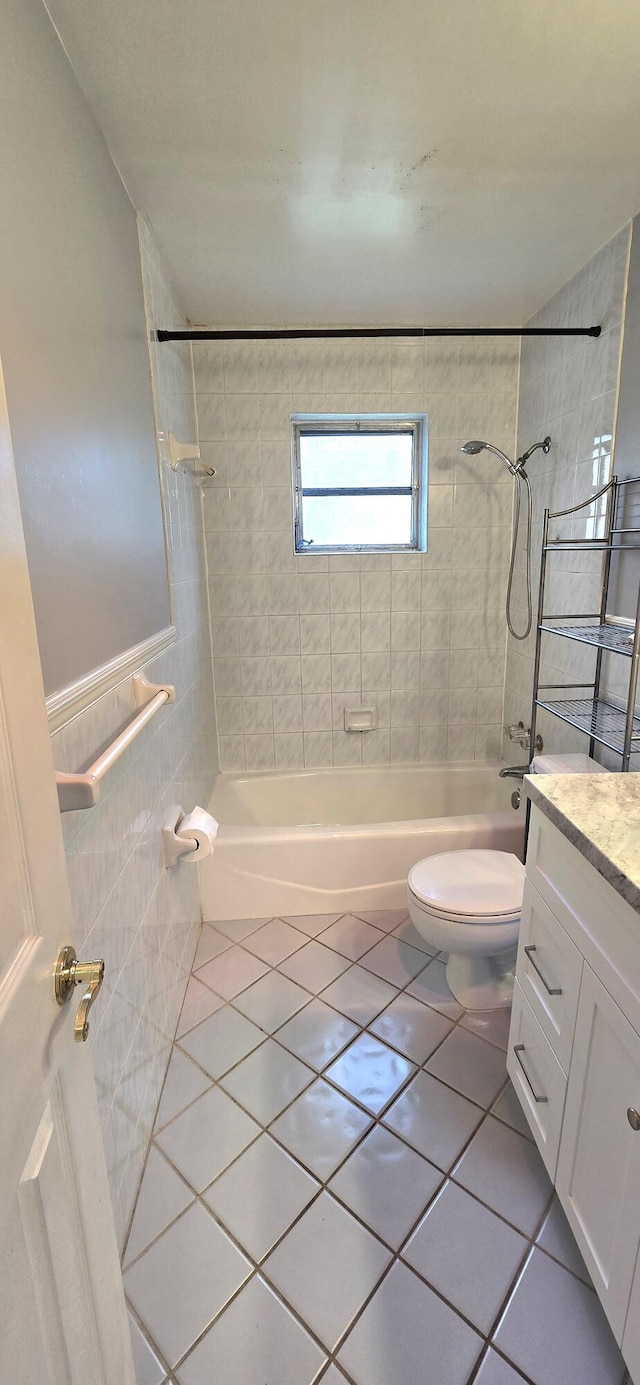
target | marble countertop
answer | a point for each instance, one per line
(600, 814)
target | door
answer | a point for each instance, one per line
(62, 1313)
(598, 1179)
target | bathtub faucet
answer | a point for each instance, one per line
(514, 772)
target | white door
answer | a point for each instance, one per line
(598, 1178)
(62, 1313)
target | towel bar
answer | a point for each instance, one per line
(83, 790)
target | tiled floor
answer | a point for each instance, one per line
(342, 1187)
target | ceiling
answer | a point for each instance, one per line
(331, 162)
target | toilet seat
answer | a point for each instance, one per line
(469, 887)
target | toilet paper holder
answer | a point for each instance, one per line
(175, 846)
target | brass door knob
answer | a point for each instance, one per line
(70, 973)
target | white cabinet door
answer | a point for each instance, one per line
(598, 1179)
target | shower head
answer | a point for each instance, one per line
(471, 449)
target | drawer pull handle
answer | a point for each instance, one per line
(551, 990)
(518, 1049)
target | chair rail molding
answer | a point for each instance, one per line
(66, 704)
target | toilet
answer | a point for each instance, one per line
(468, 904)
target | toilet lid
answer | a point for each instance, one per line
(470, 883)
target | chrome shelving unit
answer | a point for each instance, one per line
(606, 722)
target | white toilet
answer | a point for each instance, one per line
(468, 903)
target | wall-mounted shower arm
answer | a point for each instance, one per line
(545, 446)
(321, 333)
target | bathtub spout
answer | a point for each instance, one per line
(514, 771)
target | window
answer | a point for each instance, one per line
(359, 483)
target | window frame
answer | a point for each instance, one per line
(378, 424)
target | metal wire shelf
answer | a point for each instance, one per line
(617, 639)
(616, 510)
(602, 721)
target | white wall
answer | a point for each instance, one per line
(420, 636)
(128, 908)
(72, 340)
(568, 388)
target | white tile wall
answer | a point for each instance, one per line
(295, 640)
(568, 388)
(128, 908)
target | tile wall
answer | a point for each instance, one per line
(568, 388)
(128, 908)
(420, 637)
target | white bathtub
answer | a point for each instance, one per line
(335, 840)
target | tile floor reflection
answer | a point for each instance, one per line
(342, 1189)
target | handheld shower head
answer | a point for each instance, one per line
(471, 449)
(515, 469)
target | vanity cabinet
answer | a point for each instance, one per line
(598, 1175)
(574, 1059)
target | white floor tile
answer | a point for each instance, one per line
(395, 961)
(506, 1171)
(232, 972)
(320, 1128)
(315, 966)
(311, 924)
(359, 995)
(267, 1081)
(386, 1184)
(431, 987)
(412, 1027)
(182, 1084)
(435, 1120)
(507, 1108)
(325, 1287)
(148, 1369)
(275, 941)
(210, 945)
(271, 1001)
(407, 1334)
(495, 1371)
(179, 1285)
(254, 1340)
(370, 1072)
(199, 1002)
(206, 1137)
(386, 919)
(316, 1034)
(259, 1197)
(472, 1066)
(492, 1025)
(555, 1330)
(237, 929)
(468, 1254)
(557, 1238)
(162, 1197)
(351, 937)
(222, 1040)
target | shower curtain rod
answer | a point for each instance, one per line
(304, 333)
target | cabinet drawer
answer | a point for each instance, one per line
(548, 969)
(537, 1077)
(599, 921)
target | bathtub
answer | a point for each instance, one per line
(336, 840)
